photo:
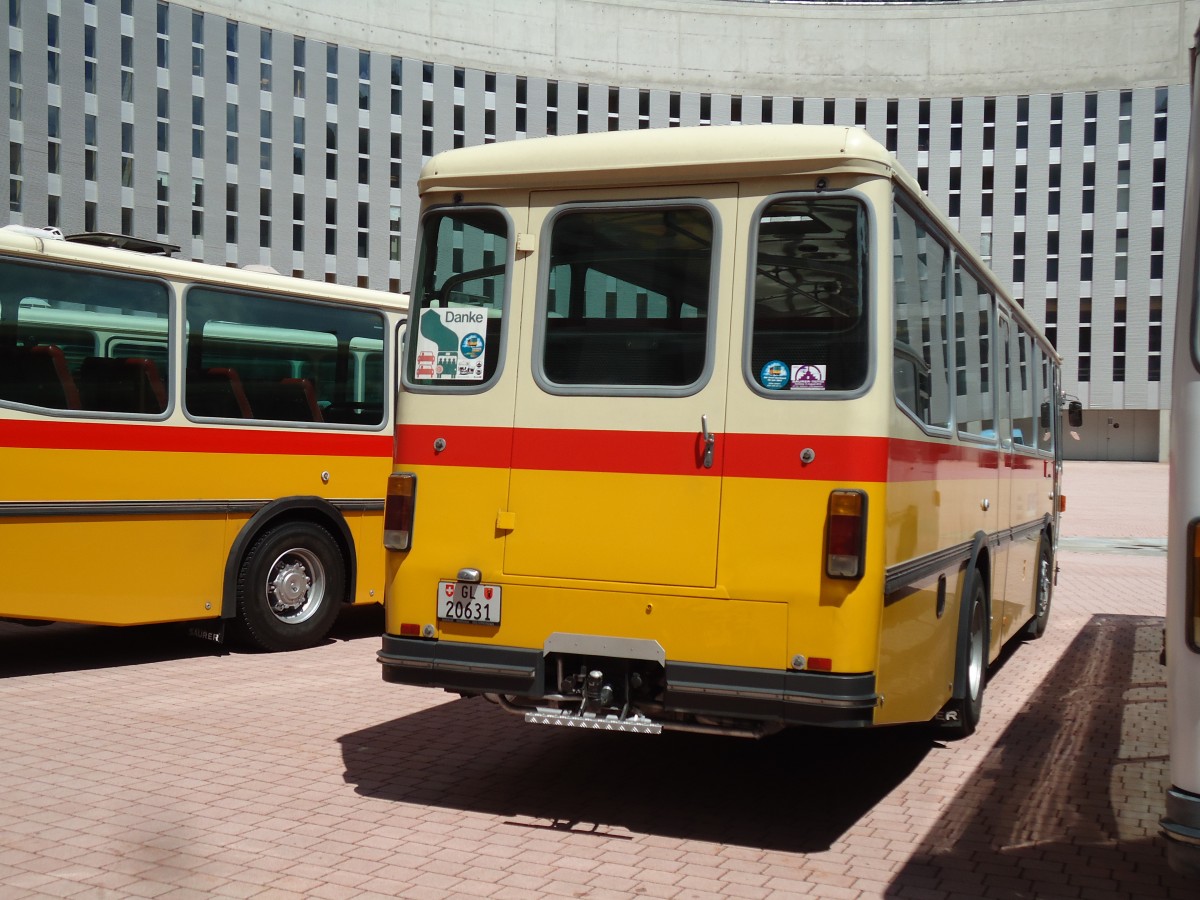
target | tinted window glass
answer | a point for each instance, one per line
(973, 383)
(921, 349)
(257, 357)
(627, 297)
(75, 339)
(809, 319)
(458, 298)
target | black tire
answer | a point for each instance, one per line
(960, 716)
(290, 587)
(1042, 590)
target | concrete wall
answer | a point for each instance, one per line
(1116, 434)
(836, 50)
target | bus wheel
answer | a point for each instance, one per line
(962, 714)
(290, 587)
(1045, 585)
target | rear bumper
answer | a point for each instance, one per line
(761, 695)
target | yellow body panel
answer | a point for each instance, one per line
(137, 568)
(608, 526)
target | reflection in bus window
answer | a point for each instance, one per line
(972, 321)
(627, 297)
(82, 340)
(921, 352)
(258, 357)
(809, 307)
(461, 268)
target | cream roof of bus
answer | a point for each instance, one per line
(56, 250)
(658, 155)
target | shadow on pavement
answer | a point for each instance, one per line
(1068, 802)
(796, 791)
(69, 647)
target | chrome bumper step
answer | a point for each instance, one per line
(632, 724)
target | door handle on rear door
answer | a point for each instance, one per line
(710, 441)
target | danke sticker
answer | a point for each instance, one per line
(450, 344)
(808, 378)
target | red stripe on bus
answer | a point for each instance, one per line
(39, 435)
(834, 458)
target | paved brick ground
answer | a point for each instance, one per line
(140, 763)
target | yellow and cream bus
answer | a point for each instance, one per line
(1181, 823)
(187, 442)
(714, 429)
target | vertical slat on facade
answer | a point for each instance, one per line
(535, 107)
(1141, 174)
(597, 107)
(906, 143)
(939, 148)
(33, 133)
(660, 109)
(689, 108)
(1105, 223)
(213, 163)
(1004, 165)
(1070, 221)
(971, 165)
(1178, 117)
(379, 118)
(247, 174)
(506, 106)
(410, 147)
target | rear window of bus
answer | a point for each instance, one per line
(808, 318)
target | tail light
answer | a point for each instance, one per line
(398, 510)
(845, 534)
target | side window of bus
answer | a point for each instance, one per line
(920, 312)
(1021, 394)
(460, 283)
(282, 359)
(626, 297)
(1047, 408)
(809, 322)
(972, 357)
(82, 340)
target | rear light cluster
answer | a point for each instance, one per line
(845, 534)
(398, 510)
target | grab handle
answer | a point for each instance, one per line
(710, 441)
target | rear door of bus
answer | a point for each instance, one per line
(617, 452)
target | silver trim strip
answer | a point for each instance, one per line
(73, 508)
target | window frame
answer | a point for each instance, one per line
(542, 300)
(871, 305)
(389, 332)
(172, 345)
(933, 231)
(415, 300)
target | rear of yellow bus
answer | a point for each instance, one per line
(641, 471)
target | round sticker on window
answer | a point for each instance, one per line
(472, 345)
(775, 375)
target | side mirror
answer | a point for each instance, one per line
(1075, 413)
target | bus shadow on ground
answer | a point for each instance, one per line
(68, 647)
(1068, 801)
(795, 791)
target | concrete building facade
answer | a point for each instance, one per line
(291, 132)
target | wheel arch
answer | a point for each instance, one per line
(317, 510)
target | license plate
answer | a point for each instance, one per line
(464, 601)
